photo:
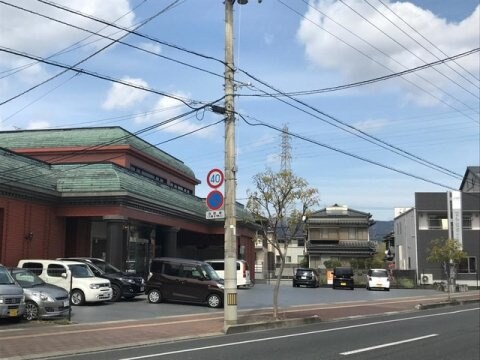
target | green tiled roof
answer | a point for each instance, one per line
(16, 169)
(90, 137)
(109, 178)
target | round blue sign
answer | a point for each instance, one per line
(215, 200)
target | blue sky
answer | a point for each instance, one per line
(290, 45)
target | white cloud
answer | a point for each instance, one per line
(122, 97)
(34, 34)
(371, 125)
(149, 46)
(34, 125)
(331, 52)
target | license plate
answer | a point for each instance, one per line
(379, 285)
(343, 284)
(66, 303)
(13, 312)
(304, 277)
(142, 288)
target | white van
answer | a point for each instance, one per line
(243, 273)
(86, 287)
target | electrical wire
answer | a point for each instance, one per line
(369, 81)
(355, 131)
(90, 73)
(53, 161)
(373, 162)
(90, 56)
(373, 60)
(439, 72)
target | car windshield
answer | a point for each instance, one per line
(27, 279)
(5, 277)
(208, 271)
(81, 271)
(379, 273)
(105, 267)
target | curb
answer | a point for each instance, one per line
(445, 303)
(278, 324)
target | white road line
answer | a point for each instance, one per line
(295, 335)
(387, 345)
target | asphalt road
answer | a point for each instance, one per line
(260, 296)
(436, 334)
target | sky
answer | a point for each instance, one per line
(374, 113)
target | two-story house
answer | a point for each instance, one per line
(338, 233)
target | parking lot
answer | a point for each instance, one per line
(260, 296)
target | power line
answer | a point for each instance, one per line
(110, 142)
(403, 31)
(58, 6)
(88, 57)
(355, 131)
(372, 59)
(301, 137)
(428, 41)
(370, 81)
(411, 52)
(90, 73)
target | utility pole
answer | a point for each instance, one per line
(230, 300)
(230, 275)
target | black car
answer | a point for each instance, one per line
(123, 284)
(306, 277)
(343, 278)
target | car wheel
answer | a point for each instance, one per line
(116, 293)
(31, 311)
(369, 288)
(387, 289)
(214, 301)
(77, 297)
(154, 296)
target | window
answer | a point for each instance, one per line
(468, 265)
(288, 259)
(36, 268)
(437, 222)
(352, 234)
(301, 242)
(467, 222)
(56, 270)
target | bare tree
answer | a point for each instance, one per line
(280, 202)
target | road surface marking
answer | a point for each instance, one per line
(387, 345)
(293, 335)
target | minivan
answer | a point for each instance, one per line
(124, 285)
(243, 273)
(12, 299)
(343, 278)
(85, 286)
(184, 280)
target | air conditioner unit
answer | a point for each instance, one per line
(426, 279)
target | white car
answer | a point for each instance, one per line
(378, 279)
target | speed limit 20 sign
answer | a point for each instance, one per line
(215, 178)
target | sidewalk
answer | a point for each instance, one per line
(44, 339)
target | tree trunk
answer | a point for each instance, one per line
(276, 289)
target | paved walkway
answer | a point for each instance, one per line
(44, 339)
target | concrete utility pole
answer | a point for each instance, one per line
(230, 301)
